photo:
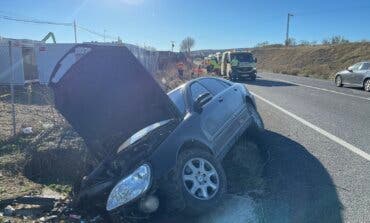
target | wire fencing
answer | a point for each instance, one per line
(27, 107)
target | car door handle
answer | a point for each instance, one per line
(235, 89)
(220, 99)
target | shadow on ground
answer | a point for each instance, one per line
(299, 187)
(354, 88)
(267, 83)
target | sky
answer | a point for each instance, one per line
(213, 24)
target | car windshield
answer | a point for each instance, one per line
(178, 99)
(184, 111)
(242, 57)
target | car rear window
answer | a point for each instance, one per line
(365, 66)
(178, 99)
(213, 85)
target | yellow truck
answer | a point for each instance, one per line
(238, 65)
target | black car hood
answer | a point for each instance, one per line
(107, 95)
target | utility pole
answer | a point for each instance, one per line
(287, 29)
(75, 30)
(172, 45)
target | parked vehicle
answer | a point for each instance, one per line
(238, 65)
(355, 75)
(153, 147)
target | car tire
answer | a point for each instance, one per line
(253, 77)
(198, 188)
(338, 81)
(367, 85)
(257, 127)
(231, 76)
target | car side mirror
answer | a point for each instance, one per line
(255, 59)
(349, 69)
(201, 101)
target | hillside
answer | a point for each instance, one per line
(321, 61)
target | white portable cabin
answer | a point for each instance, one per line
(23, 60)
(34, 61)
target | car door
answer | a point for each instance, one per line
(211, 117)
(358, 75)
(349, 78)
(231, 107)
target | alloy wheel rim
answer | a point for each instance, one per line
(200, 179)
(339, 80)
(367, 85)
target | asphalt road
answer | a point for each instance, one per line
(318, 142)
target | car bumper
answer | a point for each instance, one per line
(241, 75)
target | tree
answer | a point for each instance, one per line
(335, 40)
(338, 40)
(263, 44)
(304, 43)
(187, 44)
(290, 42)
(325, 42)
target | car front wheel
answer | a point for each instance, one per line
(338, 81)
(200, 180)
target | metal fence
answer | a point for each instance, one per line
(23, 108)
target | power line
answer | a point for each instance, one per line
(73, 24)
(103, 35)
(35, 21)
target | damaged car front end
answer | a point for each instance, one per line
(98, 90)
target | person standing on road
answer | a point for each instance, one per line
(234, 62)
(180, 68)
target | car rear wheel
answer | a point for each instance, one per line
(367, 85)
(200, 180)
(338, 81)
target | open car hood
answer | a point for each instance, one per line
(107, 95)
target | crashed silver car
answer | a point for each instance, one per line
(156, 150)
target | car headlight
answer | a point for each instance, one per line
(130, 187)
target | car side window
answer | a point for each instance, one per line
(178, 99)
(213, 85)
(355, 66)
(196, 90)
(365, 66)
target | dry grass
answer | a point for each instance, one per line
(321, 61)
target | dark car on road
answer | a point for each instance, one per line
(356, 75)
(153, 148)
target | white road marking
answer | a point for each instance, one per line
(336, 139)
(317, 88)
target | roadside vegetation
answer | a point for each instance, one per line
(309, 58)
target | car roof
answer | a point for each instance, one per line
(197, 79)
